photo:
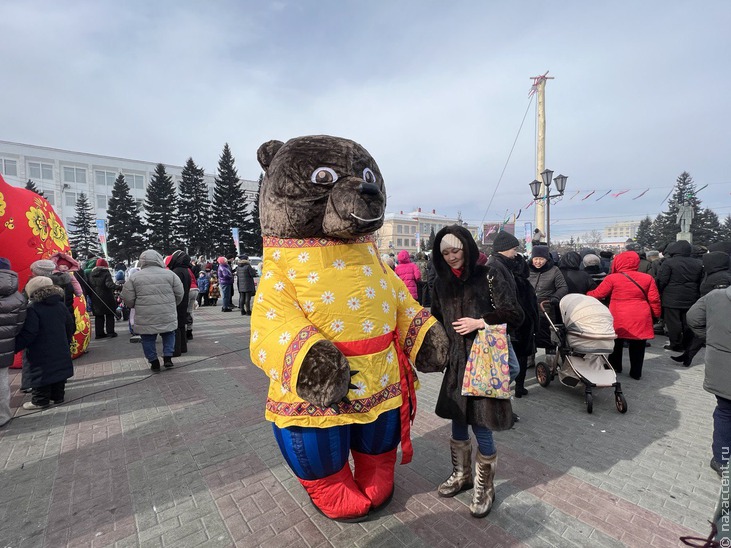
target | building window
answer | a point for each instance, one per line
(413, 243)
(135, 181)
(71, 199)
(413, 229)
(399, 242)
(105, 178)
(140, 205)
(399, 229)
(74, 175)
(50, 195)
(37, 170)
(101, 201)
(9, 167)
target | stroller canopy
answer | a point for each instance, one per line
(586, 317)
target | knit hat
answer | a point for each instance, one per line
(44, 267)
(592, 260)
(540, 251)
(221, 260)
(504, 241)
(450, 241)
(102, 262)
(4, 263)
(36, 283)
(244, 257)
(652, 253)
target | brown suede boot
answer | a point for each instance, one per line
(484, 493)
(461, 477)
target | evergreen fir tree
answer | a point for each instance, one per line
(665, 227)
(724, 234)
(83, 236)
(125, 232)
(432, 237)
(251, 231)
(30, 185)
(194, 209)
(645, 238)
(228, 210)
(160, 212)
(706, 227)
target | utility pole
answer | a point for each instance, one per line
(539, 88)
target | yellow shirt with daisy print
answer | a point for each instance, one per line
(336, 290)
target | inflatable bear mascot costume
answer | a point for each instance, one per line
(333, 327)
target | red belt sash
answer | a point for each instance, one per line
(406, 378)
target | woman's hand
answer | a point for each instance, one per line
(468, 325)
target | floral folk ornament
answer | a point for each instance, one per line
(31, 230)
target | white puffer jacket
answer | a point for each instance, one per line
(154, 292)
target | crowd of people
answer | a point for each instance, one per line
(155, 295)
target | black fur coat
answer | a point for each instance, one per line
(470, 296)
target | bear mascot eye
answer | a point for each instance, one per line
(323, 176)
(369, 176)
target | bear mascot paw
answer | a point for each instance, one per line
(333, 327)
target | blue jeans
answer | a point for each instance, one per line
(227, 294)
(483, 434)
(722, 431)
(148, 345)
(513, 361)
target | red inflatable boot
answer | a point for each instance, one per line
(374, 476)
(338, 497)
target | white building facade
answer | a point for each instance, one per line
(63, 175)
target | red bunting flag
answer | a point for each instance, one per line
(617, 194)
(590, 193)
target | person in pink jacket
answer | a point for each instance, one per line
(634, 301)
(408, 272)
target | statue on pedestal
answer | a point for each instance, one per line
(684, 218)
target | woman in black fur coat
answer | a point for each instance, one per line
(464, 303)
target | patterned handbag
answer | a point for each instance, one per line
(487, 373)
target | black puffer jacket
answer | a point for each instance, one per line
(12, 315)
(524, 342)
(578, 281)
(46, 334)
(470, 296)
(245, 275)
(180, 264)
(103, 285)
(716, 272)
(63, 280)
(679, 276)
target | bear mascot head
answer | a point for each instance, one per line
(31, 231)
(335, 330)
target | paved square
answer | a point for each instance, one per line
(184, 458)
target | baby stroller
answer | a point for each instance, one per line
(584, 340)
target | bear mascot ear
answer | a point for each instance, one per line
(266, 153)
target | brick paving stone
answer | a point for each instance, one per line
(185, 458)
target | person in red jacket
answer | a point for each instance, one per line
(408, 272)
(634, 301)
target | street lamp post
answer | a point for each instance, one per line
(535, 188)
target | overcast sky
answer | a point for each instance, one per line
(435, 90)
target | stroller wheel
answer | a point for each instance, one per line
(589, 402)
(543, 374)
(621, 402)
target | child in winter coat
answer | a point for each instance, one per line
(214, 291)
(203, 284)
(12, 315)
(46, 335)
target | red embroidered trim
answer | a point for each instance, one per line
(306, 409)
(414, 327)
(273, 241)
(292, 350)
